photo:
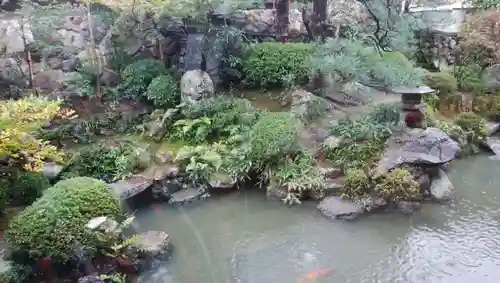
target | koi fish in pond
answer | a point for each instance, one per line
(314, 275)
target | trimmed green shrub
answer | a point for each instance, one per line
(471, 122)
(356, 184)
(28, 186)
(54, 225)
(107, 162)
(137, 76)
(469, 77)
(398, 185)
(275, 133)
(272, 64)
(163, 91)
(444, 83)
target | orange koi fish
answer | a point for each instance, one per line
(313, 276)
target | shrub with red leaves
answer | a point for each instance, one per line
(480, 38)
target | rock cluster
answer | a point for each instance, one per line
(423, 152)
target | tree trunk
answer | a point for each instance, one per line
(30, 61)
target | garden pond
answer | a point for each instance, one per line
(242, 238)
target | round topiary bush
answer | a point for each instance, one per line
(398, 185)
(274, 64)
(356, 184)
(137, 76)
(28, 186)
(163, 91)
(471, 122)
(54, 225)
(275, 133)
(444, 83)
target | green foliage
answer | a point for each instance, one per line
(298, 175)
(272, 64)
(469, 77)
(4, 194)
(137, 76)
(444, 83)
(195, 131)
(201, 162)
(163, 91)
(485, 4)
(16, 274)
(54, 225)
(357, 184)
(108, 162)
(274, 134)
(18, 120)
(28, 186)
(361, 140)
(398, 185)
(228, 115)
(348, 60)
(471, 122)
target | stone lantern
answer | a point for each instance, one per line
(411, 105)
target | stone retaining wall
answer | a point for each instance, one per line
(439, 48)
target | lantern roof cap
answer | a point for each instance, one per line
(412, 90)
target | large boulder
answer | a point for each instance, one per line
(429, 146)
(127, 188)
(442, 189)
(337, 208)
(151, 246)
(491, 77)
(196, 85)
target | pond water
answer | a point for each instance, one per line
(244, 238)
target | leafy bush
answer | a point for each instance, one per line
(108, 162)
(54, 225)
(28, 186)
(469, 77)
(201, 162)
(275, 133)
(272, 64)
(363, 139)
(17, 274)
(298, 175)
(347, 60)
(357, 183)
(163, 91)
(19, 119)
(444, 83)
(471, 122)
(398, 185)
(137, 76)
(481, 35)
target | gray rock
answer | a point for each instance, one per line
(151, 247)
(429, 146)
(164, 157)
(70, 65)
(424, 182)
(186, 196)
(103, 224)
(491, 128)
(51, 170)
(130, 187)
(90, 279)
(221, 183)
(154, 244)
(196, 85)
(276, 193)
(330, 173)
(494, 144)
(332, 187)
(337, 208)
(442, 189)
(407, 207)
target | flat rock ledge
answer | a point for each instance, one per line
(337, 208)
(151, 247)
